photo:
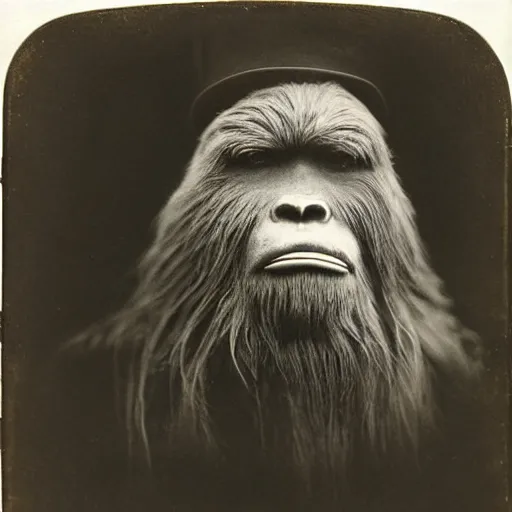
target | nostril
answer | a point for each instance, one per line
(315, 212)
(286, 211)
(300, 210)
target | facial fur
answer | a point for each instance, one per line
(323, 363)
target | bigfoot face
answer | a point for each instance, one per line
(287, 270)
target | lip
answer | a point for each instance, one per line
(307, 257)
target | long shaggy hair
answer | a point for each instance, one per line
(312, 370)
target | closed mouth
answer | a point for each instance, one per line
(308, 260)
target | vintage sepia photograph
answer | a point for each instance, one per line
(256, 260)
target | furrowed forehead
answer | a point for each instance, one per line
(295, 115)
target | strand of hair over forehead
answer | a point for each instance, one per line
(294, 115)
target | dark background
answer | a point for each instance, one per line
(95, 140)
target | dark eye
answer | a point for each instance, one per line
(256, 159)
(339, 161)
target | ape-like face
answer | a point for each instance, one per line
(287, 291)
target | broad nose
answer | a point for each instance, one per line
(300, 209)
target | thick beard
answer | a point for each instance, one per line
(312, 369)
(317, 358)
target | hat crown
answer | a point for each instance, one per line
(236, 60)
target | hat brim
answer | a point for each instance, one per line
(226, 92)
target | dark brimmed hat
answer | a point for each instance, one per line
(232, 63)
